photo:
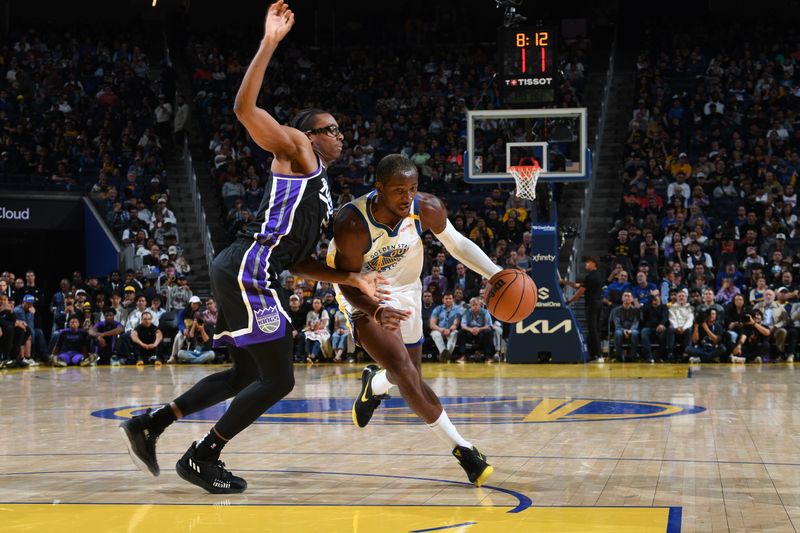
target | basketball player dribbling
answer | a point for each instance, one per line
(252, 320)
(382, 232)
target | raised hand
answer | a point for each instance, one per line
(279, 21)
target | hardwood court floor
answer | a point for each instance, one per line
(582, 448)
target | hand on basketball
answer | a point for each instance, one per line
(280, 20)
(389, 318)
(373, 284)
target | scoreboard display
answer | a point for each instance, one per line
(528, 64)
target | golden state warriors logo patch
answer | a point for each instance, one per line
(268, 319)
(387, 257)
(461, 410)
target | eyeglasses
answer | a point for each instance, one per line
(332, 130)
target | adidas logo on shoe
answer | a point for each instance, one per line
(221, 484)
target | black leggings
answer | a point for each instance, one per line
(261, 375)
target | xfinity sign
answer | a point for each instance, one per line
(15, 214)
(550, 333)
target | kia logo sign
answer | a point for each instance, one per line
(15, 214)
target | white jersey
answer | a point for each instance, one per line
(398, 254)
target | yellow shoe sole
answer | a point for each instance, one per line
(484, 476)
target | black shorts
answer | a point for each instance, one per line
(251, 302)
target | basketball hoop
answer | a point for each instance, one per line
(526, 177)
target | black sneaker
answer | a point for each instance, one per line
(210, 475)
(141, 442)
(367, 401)
(444, 356)
(474, 464)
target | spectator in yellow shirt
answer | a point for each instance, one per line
(681, 165)
(522, 213)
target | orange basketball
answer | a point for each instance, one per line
(511, 296)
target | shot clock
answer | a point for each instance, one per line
(528, 64)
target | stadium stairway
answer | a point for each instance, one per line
(570, 201)
(212, 200)
(608, 185)
(189, 237)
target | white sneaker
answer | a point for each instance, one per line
(737, 359)
(790, 358)
(757, 359)
(33, 362)
(695, 360)
(600, 359)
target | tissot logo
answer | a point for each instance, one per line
(529, 81)
(18, 214)
(544, 228)
(460, 409)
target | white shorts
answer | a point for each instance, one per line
(408, 298)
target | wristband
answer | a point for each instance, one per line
(375, 314)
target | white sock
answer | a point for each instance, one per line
(380, 383)
(445, 430)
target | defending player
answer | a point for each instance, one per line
(381, 232)
(244, 276)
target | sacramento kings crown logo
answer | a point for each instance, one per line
(268, 319)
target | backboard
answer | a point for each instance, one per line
(556, 138)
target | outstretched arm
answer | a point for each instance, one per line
(285, 143)
(433, 216)
(371, 284)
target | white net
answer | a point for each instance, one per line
(526, 177)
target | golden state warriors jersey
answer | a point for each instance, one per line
(397, 253)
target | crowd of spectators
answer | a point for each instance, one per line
(83, 113)
(73, 107)
(703, 256)
(122, 319)
(413, 103)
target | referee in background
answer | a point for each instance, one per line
(592, 290)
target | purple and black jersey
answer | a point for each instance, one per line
(103, 326)
(285, 231)
(287, 226)
(72, 341)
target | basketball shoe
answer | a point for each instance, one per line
(210, 475)
(367, 401)
(474, 464)
(140, 438)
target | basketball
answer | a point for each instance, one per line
(511, 296)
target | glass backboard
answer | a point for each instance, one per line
(498, 138)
